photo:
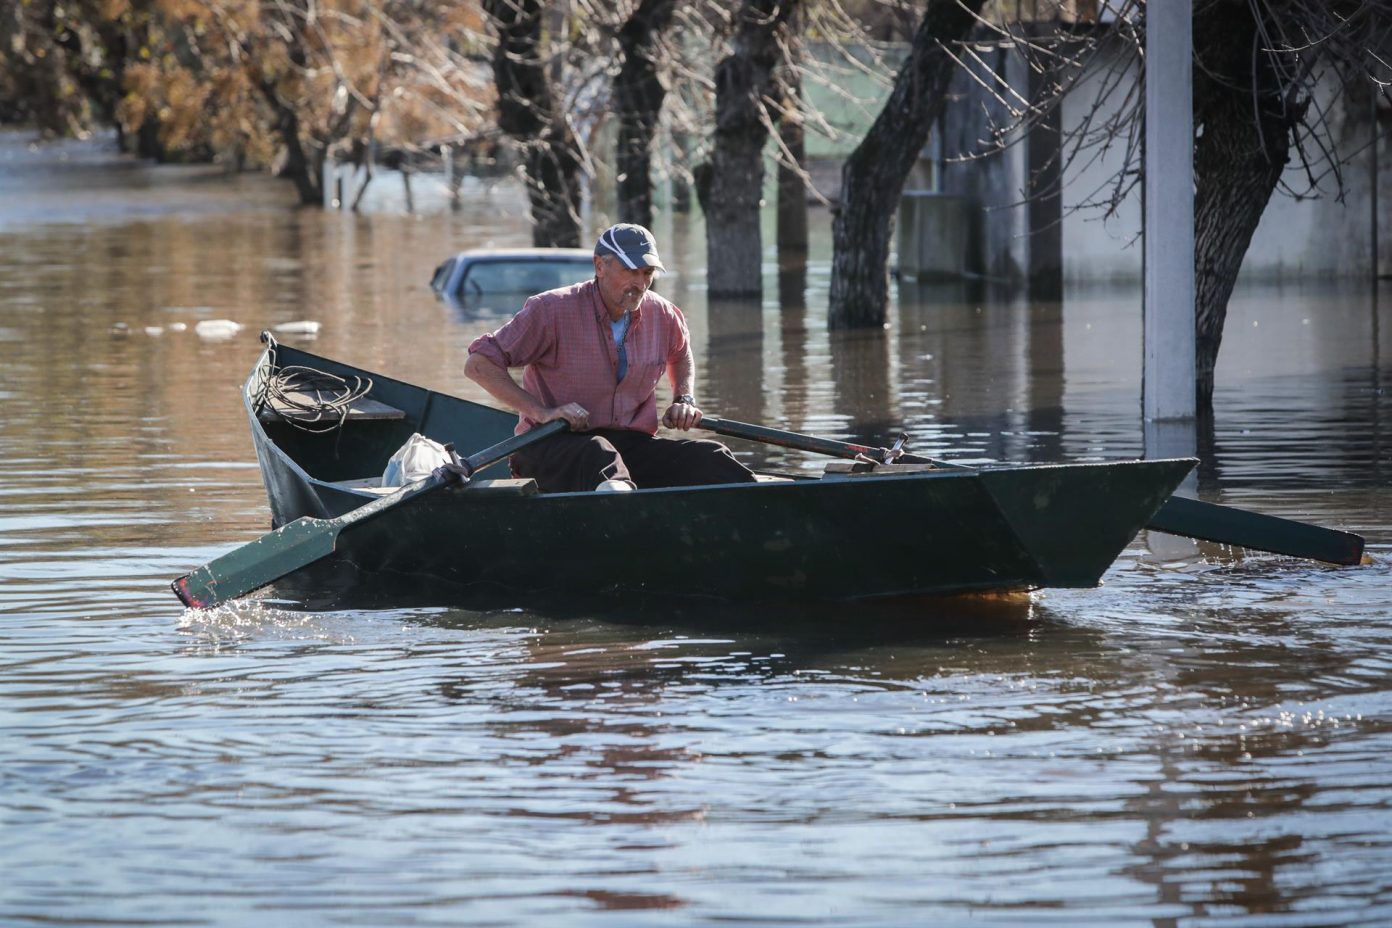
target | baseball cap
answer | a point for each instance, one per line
(631, 244)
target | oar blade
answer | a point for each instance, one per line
(1193, 518)
(252, 566)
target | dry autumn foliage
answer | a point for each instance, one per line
(251, 83)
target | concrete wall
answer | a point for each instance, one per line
(1316, 236)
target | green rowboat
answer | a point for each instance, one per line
(324, 431)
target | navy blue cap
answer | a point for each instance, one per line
(631, 244)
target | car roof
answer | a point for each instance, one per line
(524, 254)
(449, 277)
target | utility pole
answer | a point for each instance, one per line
(1167, 389)
(1167, 381)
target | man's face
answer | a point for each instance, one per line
(621, 287)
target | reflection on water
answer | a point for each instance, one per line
(1203, 740)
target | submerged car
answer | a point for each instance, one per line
(502, 278)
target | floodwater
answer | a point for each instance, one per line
(1205, 740)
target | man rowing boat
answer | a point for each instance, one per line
(592, 355)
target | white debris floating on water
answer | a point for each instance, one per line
(301, 327)
(217, 328)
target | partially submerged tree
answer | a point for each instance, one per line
(744, 89)
(873, 177)
(789, 107)
(1264, 72)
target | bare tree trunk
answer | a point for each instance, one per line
(638, 96)
(1236, 169)
(873, 177)
(792, 160)
(1245, 126)
(553, 188)
(528, 112)
(303, 167)
(743, 84)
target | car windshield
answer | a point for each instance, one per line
(526, 277)
(442, 274)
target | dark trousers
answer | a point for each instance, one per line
(576, 461)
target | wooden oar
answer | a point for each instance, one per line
(298, 544)
(1190, 518)
(1227, 525)
(835, 449)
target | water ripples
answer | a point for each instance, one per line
(1077, 766)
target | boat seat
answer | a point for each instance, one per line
(306, 406)
(525, 486)
(512, 486)
(365, 484)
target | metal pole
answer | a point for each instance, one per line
(1168, 380)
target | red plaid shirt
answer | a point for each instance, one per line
(564, 340)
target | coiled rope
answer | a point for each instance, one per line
(309, 399)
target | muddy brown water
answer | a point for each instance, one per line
(1204, 740)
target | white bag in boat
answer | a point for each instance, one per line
(414, 460)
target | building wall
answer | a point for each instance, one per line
(994, 182)
(1315, 236)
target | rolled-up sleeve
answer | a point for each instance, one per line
(678, 337)
(524, 339)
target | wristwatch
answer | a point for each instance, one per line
(685, 399)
